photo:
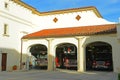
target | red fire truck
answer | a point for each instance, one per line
(68, 57)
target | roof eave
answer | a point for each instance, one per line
(61, 36)
(73, 10)
(34, 11)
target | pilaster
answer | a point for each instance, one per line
(80, 56)
(50, 55)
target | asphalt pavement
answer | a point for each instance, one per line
(57, 75)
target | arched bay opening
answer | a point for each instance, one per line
(99, 56)
(66, 56)
(39, 52)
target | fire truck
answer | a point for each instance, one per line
(66, 57)
(41, 60)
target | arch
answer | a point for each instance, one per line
(66, 56)
(99, 56)
(98, 42)
(39, 55)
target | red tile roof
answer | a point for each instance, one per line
(73, 31)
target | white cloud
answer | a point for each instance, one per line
(114, 1)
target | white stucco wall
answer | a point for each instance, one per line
(69, 20)
(118, 31)
(15, 10)
(11, 44)
(19, 23)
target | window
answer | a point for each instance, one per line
(6, 5)
(5, 32)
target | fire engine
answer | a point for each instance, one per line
(67, 58)
(42, 59)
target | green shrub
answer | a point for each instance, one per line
(119, 76)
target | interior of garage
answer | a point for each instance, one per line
(99, 57)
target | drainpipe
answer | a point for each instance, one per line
(21, 55)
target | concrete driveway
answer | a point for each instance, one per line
(57, 75)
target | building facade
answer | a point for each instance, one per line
(23, 27)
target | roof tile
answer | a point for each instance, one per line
(73, 31)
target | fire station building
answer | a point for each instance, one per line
(78, 38)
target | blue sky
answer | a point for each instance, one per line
(109, 9)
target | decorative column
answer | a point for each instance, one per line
(50, 55)
(80, 56)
